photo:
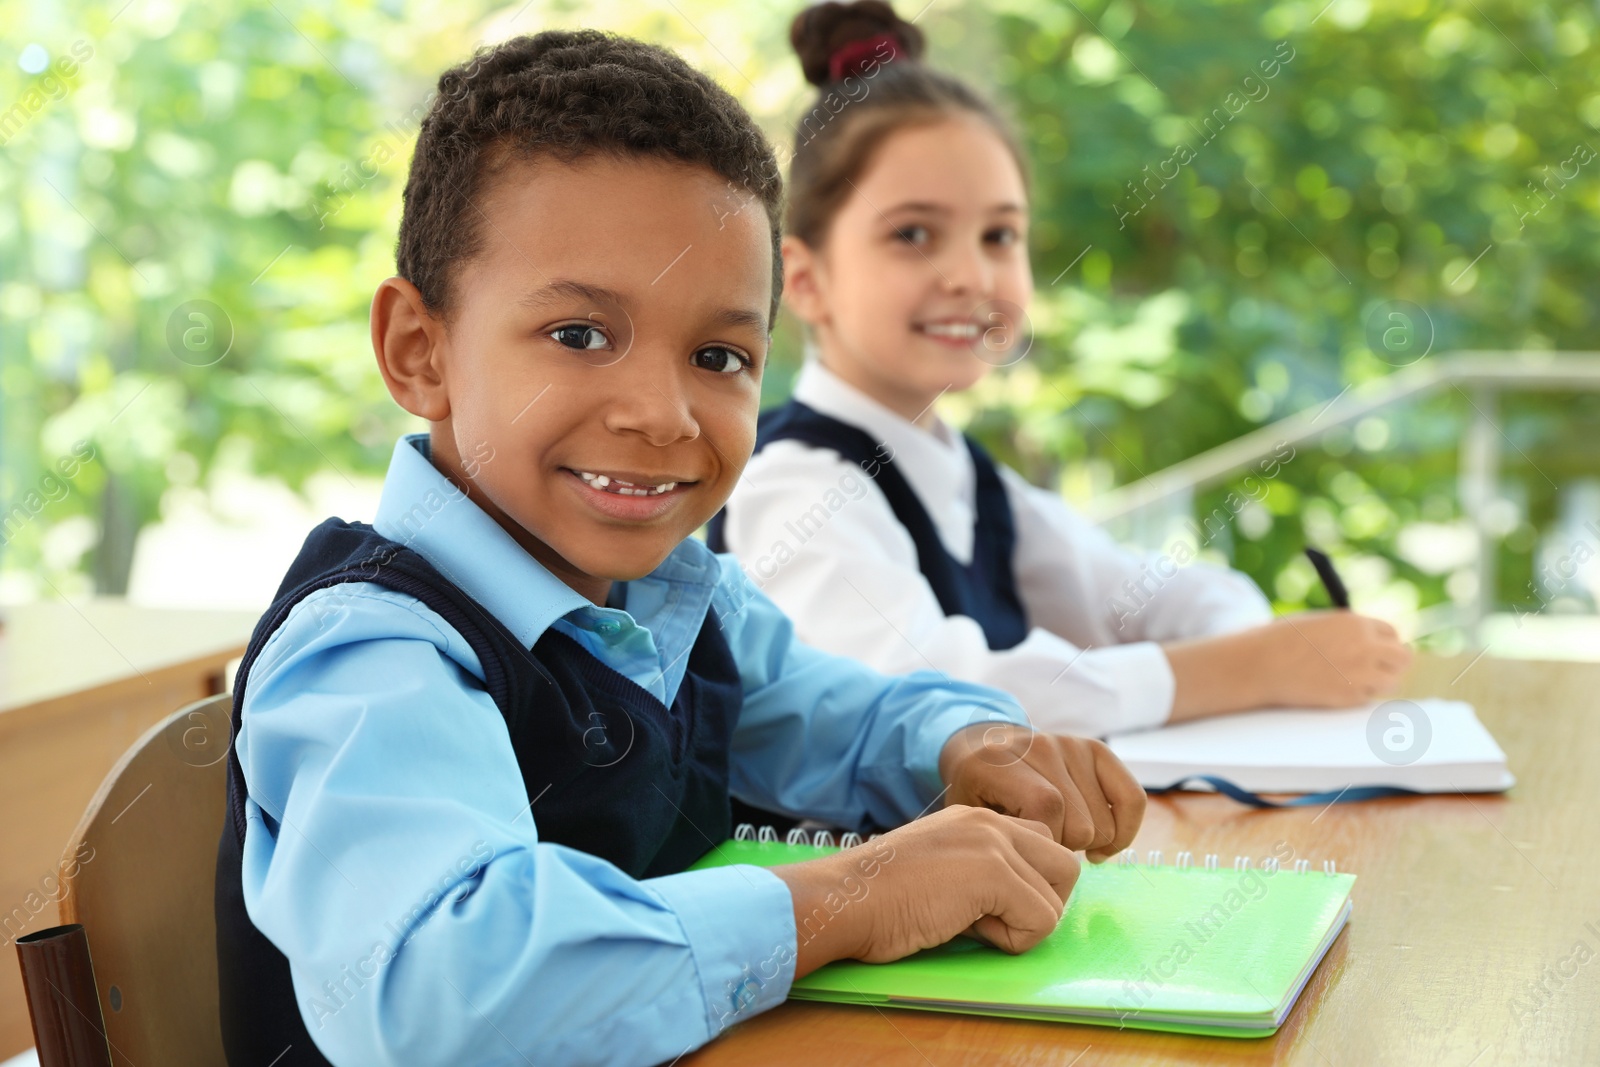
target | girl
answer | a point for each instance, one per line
(887, 535)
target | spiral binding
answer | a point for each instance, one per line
(766, 835)
(1184, 860)
(1126, 858)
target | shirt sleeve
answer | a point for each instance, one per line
(828, 737)
(1078, 581)
(392, 854)
(853, 587)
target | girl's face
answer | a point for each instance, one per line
(921, 282)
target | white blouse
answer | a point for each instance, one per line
(816, 534)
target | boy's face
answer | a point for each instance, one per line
(603, 365)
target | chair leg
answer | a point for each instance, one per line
(63, 1003)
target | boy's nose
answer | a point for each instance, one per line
(650, 399)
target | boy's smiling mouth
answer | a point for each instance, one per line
(641, 486)
(629, 495)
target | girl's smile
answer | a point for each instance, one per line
(955, 333)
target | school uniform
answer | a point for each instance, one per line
(909, 548)
(462, 796)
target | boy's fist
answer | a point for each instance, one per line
(1075, 786)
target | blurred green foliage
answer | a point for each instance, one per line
(249, 154)
(1229, 197)
(200, 153)
(1212, 244)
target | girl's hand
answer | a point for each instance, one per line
(1317, 659)
(1331, 659)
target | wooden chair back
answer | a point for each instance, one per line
(141, 868)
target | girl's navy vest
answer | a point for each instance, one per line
(983, 590)
(614, 772)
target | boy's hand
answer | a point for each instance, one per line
(1082, 793)
(959, 870)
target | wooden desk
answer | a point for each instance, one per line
(78, 685)
(1462, 906)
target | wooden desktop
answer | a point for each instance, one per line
(1463, 948)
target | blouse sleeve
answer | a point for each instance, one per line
(819, 538)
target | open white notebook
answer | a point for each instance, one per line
(1432, 746)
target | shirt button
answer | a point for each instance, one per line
(608, 626)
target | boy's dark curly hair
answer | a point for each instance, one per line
(565, 93)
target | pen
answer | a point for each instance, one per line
(1329, 576)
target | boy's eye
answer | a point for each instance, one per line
(915, 234)
(1004, 236)
(721, 360)
(579, 336)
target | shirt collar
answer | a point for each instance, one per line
(935, 461)
(425, 511)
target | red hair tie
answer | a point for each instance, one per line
(853, 56)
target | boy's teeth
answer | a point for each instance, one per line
(611, 485)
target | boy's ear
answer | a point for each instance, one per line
(410, 344)
(802, 283)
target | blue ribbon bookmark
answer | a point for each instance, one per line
(1344, 796)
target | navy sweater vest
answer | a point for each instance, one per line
(985, 589)
(614, 772)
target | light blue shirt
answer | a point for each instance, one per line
(393, 853)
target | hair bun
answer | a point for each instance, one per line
(820, 31)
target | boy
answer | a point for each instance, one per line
(477, 743)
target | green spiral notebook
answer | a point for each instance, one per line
(1192, 948)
